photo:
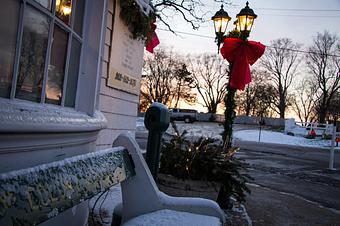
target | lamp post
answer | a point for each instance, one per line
(243, 26)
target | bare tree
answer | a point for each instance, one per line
(165, 80)
(191, 11)
(304, 100)
(334, 109)
(210, 77)
(182, 86)
(281, 62)
(257, 97)
(323, 64)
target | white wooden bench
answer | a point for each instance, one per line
(35, 195)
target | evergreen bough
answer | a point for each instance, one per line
(138, 23)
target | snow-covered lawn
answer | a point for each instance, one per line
(280, 138)
(243, 133)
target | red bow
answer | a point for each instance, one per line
(241, 53)
(154, 39)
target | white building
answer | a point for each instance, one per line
(69, 79)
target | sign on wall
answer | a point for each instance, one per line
(126, 60)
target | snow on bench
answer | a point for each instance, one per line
(31, 196)
(34, 195)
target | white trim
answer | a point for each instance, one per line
(25, 116)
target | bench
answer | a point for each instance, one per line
(41, 193)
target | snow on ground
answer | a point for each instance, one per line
(211, 130)
(214, 130)
(280, 138)
(104, 206)
(140, 124)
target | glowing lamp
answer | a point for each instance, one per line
(246, 18)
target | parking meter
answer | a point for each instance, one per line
(157, 121)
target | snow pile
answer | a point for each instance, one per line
(280, 138)
(105, 204)
(173, 218)
(140, 124)
(211, 130)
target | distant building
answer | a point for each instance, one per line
(69, 79)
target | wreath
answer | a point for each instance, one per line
(137, 22)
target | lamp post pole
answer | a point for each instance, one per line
(244, 23)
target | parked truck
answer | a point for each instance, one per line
(186, 115)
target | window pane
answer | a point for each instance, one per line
(56, 68)
(33, 52)
(73, 71)
(78, 21)
(9, 16)
(46, 3)
(64, 10)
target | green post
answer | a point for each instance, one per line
(157, 121)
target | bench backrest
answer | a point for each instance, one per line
(34, 195)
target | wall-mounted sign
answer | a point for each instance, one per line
(126, 60)
(123, 82)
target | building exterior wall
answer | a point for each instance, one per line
(119, 107)
(34, 133)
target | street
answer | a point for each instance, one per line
(292, 185)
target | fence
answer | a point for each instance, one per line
(303, 128)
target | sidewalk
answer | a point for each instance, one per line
(267, 207)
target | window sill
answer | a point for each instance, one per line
(17, 116)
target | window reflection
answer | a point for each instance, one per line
(73, 71)
(8, 25)
(64, 10)
(78, 20)
(33, 53)
(55, 78)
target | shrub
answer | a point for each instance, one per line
(204, 159)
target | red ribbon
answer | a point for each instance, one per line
(154, 39)
(241, 53)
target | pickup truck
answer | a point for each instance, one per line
(186, 115)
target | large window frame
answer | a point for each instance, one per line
(54, 21)
(18, 115)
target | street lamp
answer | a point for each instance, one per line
(221, 20)
(243, 26)
(246, 19)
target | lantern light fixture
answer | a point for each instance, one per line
(246, 18)
(243, 24)
(221, 20)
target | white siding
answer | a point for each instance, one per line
(119, 108)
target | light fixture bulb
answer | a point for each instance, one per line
(66, 10)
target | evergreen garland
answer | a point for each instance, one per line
(138, 23)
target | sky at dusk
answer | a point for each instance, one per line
(299, 20)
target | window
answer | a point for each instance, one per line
(40, 48)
